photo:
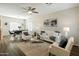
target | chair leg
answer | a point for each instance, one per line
(49, 54)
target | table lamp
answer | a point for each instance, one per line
(66, 29)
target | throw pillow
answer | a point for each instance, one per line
(63, 42)
(52, 38)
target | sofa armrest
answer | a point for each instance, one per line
(58, 51)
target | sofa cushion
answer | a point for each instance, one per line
(52, 38)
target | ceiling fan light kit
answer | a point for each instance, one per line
(29, 12)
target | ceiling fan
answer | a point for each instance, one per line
(30, 10)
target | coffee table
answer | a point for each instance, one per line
(34, 49)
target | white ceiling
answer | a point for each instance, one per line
(15, 9)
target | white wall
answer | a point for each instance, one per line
(37, 23)
(78, 24)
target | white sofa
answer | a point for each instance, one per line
(59, 51)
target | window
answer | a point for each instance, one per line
(14, 26)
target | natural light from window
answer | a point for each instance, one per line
(14, 26)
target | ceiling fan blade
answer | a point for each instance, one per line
(24, 8)
(29, 8)
(35, 12)
(33, 8)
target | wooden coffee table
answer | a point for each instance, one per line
(34, 49)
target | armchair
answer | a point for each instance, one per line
(55, 49)
(25, 36)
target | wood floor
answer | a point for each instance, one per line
(10, 49)
(75, 51)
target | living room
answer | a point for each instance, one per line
(45, 21)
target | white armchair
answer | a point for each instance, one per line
(59, 51)
(26, 36)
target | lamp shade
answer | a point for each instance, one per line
(66, 29)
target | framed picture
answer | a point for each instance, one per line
(50, 22)
(46, 22)
(54, 23)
